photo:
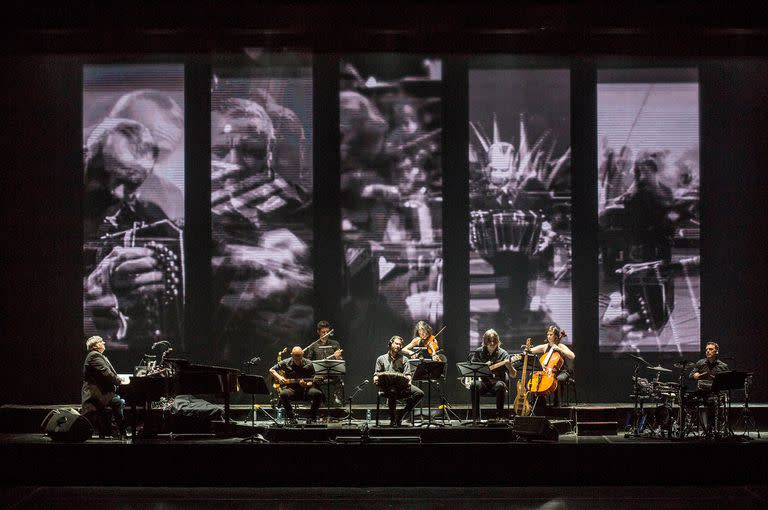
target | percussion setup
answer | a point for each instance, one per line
(675, 412)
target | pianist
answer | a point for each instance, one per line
(394, 361)
(99, 385)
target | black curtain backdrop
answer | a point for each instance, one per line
(41, 340)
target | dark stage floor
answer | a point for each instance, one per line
(300, 498)
(502, 455)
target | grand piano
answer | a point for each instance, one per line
(180, 377)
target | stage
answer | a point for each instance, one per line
(335, 453)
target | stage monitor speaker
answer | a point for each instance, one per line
(67, 425)
(534, 428)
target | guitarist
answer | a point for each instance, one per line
(554, 335)
(297, 384)
(326, 347)
(491, 353)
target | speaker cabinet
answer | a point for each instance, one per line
(534, 428)
(67, 425)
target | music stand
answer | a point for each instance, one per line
(255, 385)
(727, 381)
(429, 371)
(329, 368)
(473, 370)
(414, 364)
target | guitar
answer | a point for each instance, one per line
(497, 369)
(522, 407)
(302, 381)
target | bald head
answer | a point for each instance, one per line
(297, 353)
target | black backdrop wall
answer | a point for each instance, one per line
(41, 337)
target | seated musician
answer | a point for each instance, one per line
(297, 384)
(704, 373)
(394, 361)
(491, 353)
(424, 339)
(326, 347)
(553, 341)
(99, 382)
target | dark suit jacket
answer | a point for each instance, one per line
(99, 380)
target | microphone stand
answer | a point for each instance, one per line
(358, 389)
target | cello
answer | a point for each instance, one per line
(522, 407)
(544, 382)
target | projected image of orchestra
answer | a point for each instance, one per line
(520, 203)
(261, 210)
(133, 147)
(391, 194)
(648, 207)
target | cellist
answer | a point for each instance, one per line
(553, 342)
(425, 338)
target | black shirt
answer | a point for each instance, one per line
(319, 351)
(482, 355)
(703, 366)
(291, 371)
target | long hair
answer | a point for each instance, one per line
(422, 325)
(490, 335)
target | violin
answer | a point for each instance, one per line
(544, 382)
(430, 343)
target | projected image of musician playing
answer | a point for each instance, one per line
(124, 277)
(297, 383)
(393, 377)
(491, 353)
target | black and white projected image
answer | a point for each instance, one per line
(133, 145)
(261, 214)
(391, 195)
(648, 207)
(520, 203)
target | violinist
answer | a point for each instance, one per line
(424, 341)
(554, 335)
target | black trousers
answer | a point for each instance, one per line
(291, 393)
(412, 397)
(487, 386)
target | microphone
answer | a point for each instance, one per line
(253, 361)
(362, 384)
